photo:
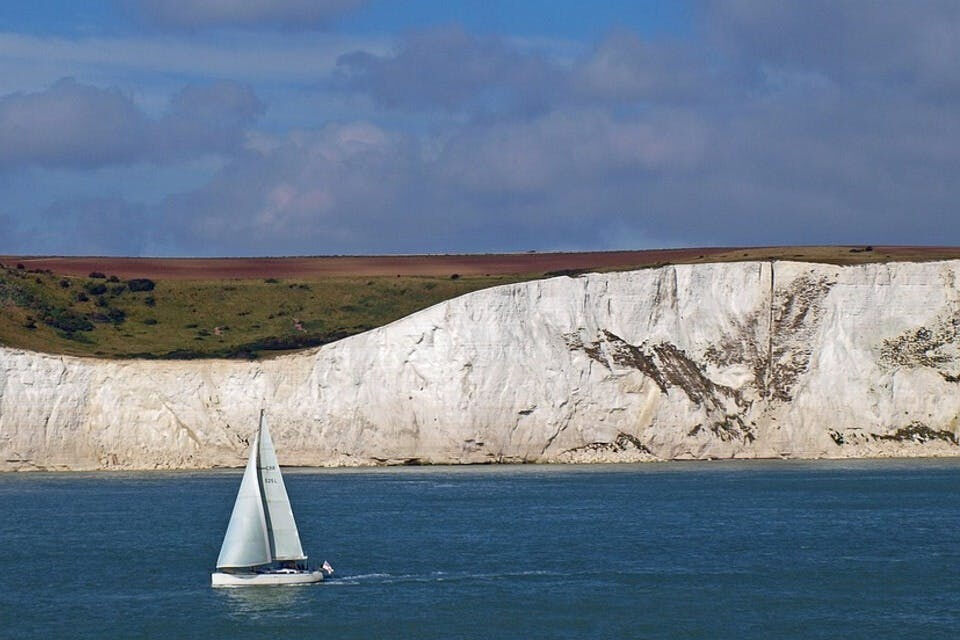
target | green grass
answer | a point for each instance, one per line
(197, 319)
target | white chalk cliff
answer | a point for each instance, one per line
(751, 359)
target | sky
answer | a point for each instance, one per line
(299, 127)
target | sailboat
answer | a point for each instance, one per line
(262, 545)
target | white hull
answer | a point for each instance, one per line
(263, 579)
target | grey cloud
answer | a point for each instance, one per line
(87, 226)
(802, 164)
(784, 169)
(10, 239)
(624, 67)
(451, 69)
(823, 167)
(825, 122)
(70, 124)
(562, 147)
(309, 192)
(195, 14)
(81, 126)
(784, 128)
(850, 41)
(356, 187)
(210, 117)
(742, 46)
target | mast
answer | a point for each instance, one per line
(263, 497)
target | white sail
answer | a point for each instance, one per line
(246, 543)
(284, 537)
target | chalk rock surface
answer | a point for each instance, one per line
(751, 359)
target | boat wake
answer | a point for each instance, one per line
(438, 576)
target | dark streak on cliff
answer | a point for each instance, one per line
(623, 442)
(915, 432)
(932, 347)
(919, 433)
(795, 315)
(668, 367)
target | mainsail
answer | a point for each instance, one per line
(262, 528)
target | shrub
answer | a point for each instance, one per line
(101, 302)
(67, 320)
(113, 279)
(82, 297)
(271, 281)
(116, 316)
(149, 321)
(96, 274)
(117, 289)
(96, 288)
(455, 276)
(141, 284)
(65, 283)
(20, 265)
(149, 301)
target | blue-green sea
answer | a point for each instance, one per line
(865, 549)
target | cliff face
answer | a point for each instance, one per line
(753, 359)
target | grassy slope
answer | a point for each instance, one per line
(251, 318)
(225, 318)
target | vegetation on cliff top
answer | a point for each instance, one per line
(105, 316)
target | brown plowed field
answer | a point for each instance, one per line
(309, 268)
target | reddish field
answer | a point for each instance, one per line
(444, 265)
(314, 267)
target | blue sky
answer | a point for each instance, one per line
(280, 127)
(549, 18)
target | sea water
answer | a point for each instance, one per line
(865, 549)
